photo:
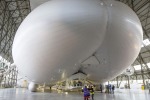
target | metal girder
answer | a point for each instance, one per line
(12, 13)
(142, 9)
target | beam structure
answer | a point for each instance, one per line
(12, 13)
(142, 9)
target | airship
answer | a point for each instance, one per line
(100, 38)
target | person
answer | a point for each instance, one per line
(92, 92)
(101, 88)
(109, 88)
(86, 93)
(113, 88)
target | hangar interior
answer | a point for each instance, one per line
(13, 12)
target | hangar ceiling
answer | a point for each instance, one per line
(12, 12)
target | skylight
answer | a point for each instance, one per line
(146, 42)
(148, 64)
(137, 67)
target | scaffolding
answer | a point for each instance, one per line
(12, 13)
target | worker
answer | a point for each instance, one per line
(86, 93)
(110, 88)
(101, 88)
(113, 88)
(92, 92)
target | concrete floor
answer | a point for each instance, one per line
(23, 94)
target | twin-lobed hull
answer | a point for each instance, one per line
(55, 38)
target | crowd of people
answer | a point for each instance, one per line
(89, 91)
(110, 88)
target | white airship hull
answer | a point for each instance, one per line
(60, 34)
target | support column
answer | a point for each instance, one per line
(136, 77)
(117, 82)
(108, 82)
(143, 80)
(128, 81)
